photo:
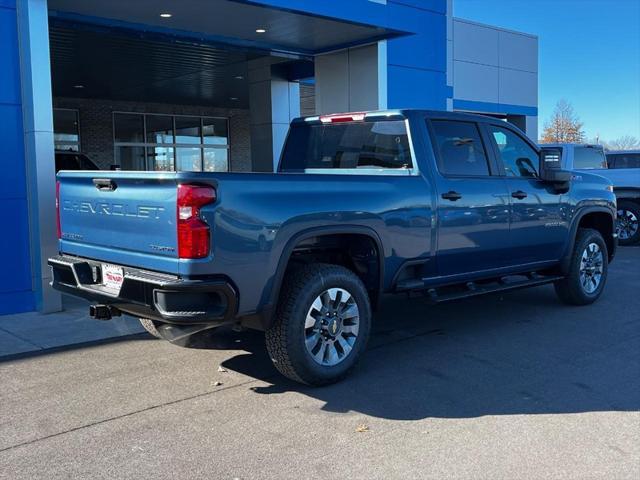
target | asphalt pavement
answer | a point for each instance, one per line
(506, 386)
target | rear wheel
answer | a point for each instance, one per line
(587, 271)
(628, 222)
(322, 324)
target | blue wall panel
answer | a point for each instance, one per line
(414, 88)
(417, 64)
(13, 183)
(16, 292)
(9, 61)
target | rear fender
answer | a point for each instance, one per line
(270, 297)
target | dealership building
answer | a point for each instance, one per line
(212, 85)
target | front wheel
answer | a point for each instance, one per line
(628, 222)
(587, 270)
(322, 324)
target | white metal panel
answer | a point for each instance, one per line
(518, 51)
(518, 87)
(475, 82)
(475, 43)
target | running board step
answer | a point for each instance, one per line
(471, 289)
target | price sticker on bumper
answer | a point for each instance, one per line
(112, 278)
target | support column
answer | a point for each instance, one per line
(16, 292)
(37, 113)
(532, 128)
(352, 80)
(274, 102)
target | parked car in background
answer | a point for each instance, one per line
(363, 204)
(70, 160)
(626, 181)
(624, 171)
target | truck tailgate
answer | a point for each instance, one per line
(121, 217)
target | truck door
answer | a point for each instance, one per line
(472, 201)
(538, 220)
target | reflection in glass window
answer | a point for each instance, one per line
(131, 158)
(129, 127)
(371, 144)
(188, 130)
(460, 148)
(216, 160)
(189, 159)
(589, 158)
(623, 160)
(214, 131)
(517, 156)
(171, 142)
(159, 128)
(66, 130)
(160, 159)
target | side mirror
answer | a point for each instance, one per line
(551, 166)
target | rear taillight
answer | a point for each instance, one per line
(59, 231)
(193, 232)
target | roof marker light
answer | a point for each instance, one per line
(348, 117)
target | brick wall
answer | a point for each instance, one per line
(96, 126)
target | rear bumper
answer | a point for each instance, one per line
(153, 295)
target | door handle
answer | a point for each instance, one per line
(519, 194)
(105, 184)
(451, 195)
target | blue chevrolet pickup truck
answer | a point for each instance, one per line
(363, 204)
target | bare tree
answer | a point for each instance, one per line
(626, 142)
(563, 126)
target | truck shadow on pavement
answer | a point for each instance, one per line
(520, 353)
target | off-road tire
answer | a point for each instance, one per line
(570, 289)
(286, 337)
(150, 327)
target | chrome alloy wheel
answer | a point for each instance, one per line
(627, 224)
(591, 268)
(331, 327)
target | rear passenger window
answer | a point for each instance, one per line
(459, 148)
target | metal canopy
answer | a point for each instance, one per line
(123, 49)
(229, 21)
(99, 63)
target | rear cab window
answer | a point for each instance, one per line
(361, 145)
(623, 160)
(459, 149)
(587, 157)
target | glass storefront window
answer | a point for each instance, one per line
(171, 142)
(128, 127)
(189, 159)
(66, 129)
(215, 131)
(160, 159)
(188, 130)
(159, 128)
(131, 158)
(216, 160)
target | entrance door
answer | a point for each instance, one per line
(473, 201)
(538, 225)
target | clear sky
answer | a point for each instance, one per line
(589, 55)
